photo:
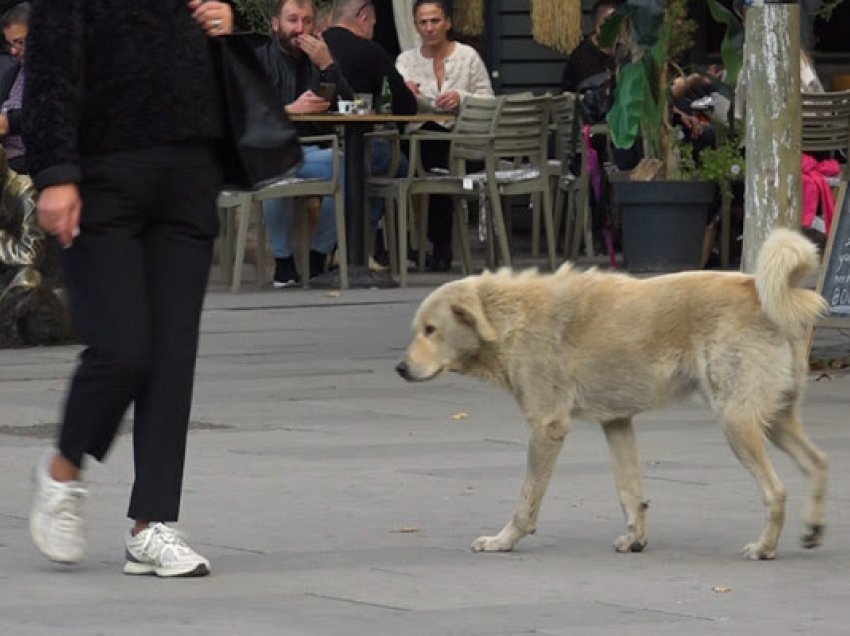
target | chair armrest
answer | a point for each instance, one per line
(449, 136)
(333, 140)
(317, 139)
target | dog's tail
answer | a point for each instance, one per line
(786, 259)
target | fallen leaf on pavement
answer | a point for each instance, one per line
(409, 530)
(460, 415)
(721, 589)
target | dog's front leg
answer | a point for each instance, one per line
(543, 448)
(621, 442)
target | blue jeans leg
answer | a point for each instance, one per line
(318, 164)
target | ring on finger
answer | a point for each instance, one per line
(216, 24)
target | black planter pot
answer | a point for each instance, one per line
(663, 222)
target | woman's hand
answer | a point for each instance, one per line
(215, 18)
(58, 208)
(450, 101)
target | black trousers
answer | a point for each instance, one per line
(136, 277)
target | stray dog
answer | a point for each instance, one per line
(605, 346)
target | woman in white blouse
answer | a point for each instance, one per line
(441, 73)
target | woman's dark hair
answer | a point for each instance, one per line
(445, 5)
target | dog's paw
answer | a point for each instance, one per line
(757, 552)
(629, 543)
(812, 536)
(491, 544)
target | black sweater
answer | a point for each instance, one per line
(107, 75)
(365, 64)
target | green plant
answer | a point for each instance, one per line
(724, 164)
(657, 34)
(254, 15)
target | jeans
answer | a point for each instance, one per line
(278, 213)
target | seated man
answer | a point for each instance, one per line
(15, 24)
(31, 312)
(297, 62)
(366, 67)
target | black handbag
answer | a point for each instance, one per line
(261, 144)
(596, 98)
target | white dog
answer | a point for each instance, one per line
(605, 346)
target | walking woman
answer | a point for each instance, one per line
(120, 118)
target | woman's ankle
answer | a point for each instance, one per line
(63, 469)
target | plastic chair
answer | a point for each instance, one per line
(232, 248)
(572, 190)
(470, 139)
(520, 140)
(826, 124)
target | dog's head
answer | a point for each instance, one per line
(449, 331)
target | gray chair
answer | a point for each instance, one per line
(826, 123)
(232, 245)
(518, 164)
(572, 200)
(470, 140)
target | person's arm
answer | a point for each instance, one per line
(53, 97)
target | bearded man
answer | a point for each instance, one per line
(297, 62)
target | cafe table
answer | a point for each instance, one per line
(355, 127)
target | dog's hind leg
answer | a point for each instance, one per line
(543, 449)
(787, 433)
(620, 435)
(746, 437)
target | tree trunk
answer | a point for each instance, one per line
(772, 65)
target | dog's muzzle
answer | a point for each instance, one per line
(403, 370)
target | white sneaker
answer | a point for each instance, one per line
(161, 550)
(56, 522)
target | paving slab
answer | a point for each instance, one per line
(333, 499)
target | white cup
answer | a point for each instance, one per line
(345, 106)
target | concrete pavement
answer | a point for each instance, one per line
(333, 499)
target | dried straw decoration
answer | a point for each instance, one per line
(468, 17)
(556, 23)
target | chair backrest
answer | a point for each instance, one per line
(522, 128)
(826, 121)
(477, 116)
(567, 127)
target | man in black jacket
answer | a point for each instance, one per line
(297, 62)
(363, 62)
(366, 66)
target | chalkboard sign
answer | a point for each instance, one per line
(834, 282)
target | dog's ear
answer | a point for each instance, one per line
(468, 310)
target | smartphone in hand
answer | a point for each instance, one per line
(327, 91)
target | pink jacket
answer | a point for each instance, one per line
(816, 191)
